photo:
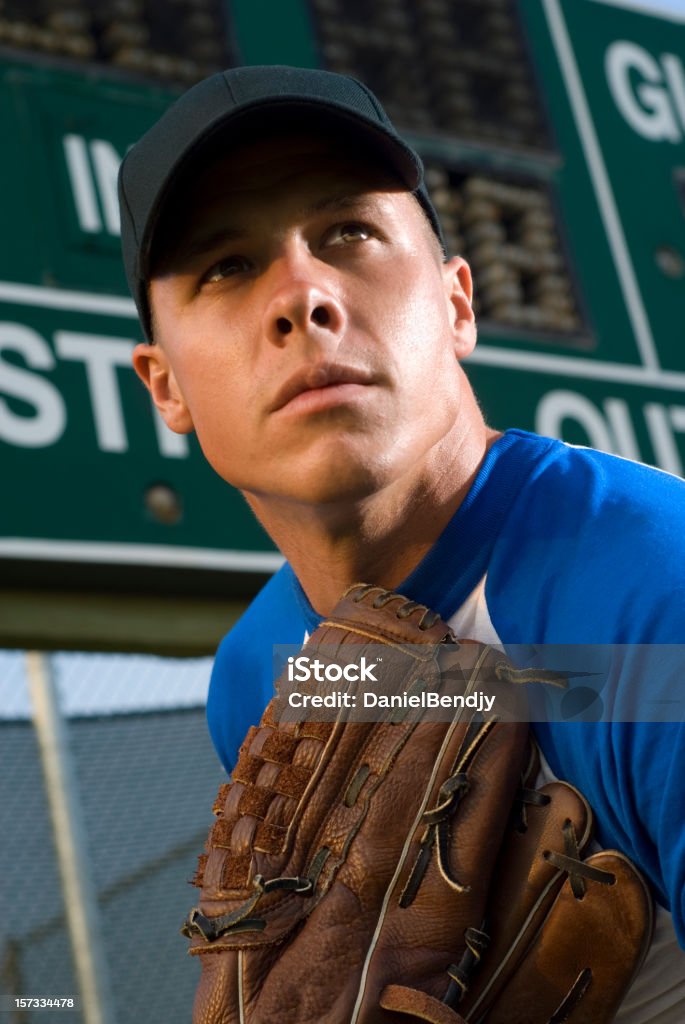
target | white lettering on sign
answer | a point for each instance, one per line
(81, 181)
(558, 406)
(649, 93)
(611, 428)
(102, 357)
(621, 428)
(93, 168)
(46, 425)
(106, 163)
(661, 424)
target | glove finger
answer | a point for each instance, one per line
(586, 953)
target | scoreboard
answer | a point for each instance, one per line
(553, 132)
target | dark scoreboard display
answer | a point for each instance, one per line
(553, 133)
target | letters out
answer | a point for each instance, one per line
(610, 426)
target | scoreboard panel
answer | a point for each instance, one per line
(553, 133)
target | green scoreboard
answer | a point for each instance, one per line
(553, 132)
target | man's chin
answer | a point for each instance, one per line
(335, 481)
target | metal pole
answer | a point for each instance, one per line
(80, 899)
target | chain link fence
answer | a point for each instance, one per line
(145, 774)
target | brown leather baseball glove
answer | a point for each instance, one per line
(404, 869)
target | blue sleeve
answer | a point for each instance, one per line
(594, 554)
(242, 679)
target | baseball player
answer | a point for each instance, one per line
(302, 318)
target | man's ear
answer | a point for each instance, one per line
(152, 366)
(459, 293)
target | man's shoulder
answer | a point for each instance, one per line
(582, 491)
(564, 465)
(591, 551)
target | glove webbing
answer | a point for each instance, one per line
(437, 818)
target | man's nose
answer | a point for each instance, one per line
(302, 301)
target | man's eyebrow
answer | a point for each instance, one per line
(205, 242)
(341, 201)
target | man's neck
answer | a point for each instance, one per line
(379, 539)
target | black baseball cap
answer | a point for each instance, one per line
(228, 102)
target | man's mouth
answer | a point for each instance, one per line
(321, 385)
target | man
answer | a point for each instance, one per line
(302, 319)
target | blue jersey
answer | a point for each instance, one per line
(553, 544)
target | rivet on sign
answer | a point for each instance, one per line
(669, 261)
(164, 504)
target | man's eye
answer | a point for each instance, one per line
(227, 267)
(349, 232)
